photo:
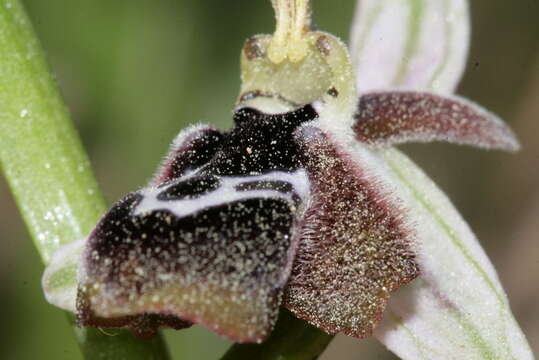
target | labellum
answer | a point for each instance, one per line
(293, 206)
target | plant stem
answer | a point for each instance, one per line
(292, 339)
(47, 168)
(118, 344)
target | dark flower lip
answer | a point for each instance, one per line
(232, 288)
(216, 253)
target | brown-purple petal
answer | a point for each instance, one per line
(390, 118)
(354, 249)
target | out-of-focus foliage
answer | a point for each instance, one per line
(135, 72)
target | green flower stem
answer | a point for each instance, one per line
(118, 345)
(292, 339)
(47, 168)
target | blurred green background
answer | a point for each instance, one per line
(135, 72)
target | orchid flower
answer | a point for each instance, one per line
(305, 202)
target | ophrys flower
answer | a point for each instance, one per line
(304, 203)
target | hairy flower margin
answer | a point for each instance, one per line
(456, 307)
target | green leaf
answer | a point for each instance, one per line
(46, 167)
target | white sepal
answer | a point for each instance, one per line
(415, 44)
(59, 280)
(457, 308)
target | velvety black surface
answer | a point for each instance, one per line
(156, 236)
(196, 150)
(260, 142)
(190, 189)
(281, 186)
